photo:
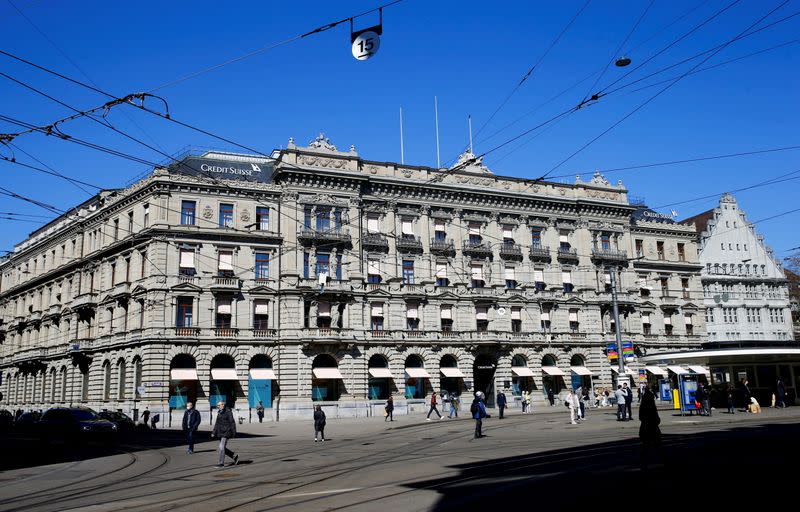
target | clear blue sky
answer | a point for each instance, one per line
(469, 54)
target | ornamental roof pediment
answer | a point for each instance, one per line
(575, 300)
(647, 305)
(138, 290)
(262, 289)
(517, 297)
(690, 305)
(186, 287)
(448, 295)
(379, 292)
(324, 200)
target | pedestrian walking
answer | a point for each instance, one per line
(478, 411)
(454, 405)
(573, 406)
(225, 430)
(745, 394)
(389, 409)
(191, 422)
(260, 412)
(501, 402)
(319, 424)
(729, 395)
(628, 401)
(780, 389)
(639, 394)
(551, 397)
(620, 396)
(433, 407)
(583, 396)
(649, 431)
(145, 416)
(705, 400)
(155, 419)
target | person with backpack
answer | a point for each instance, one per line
(478, 411)
(433, 407)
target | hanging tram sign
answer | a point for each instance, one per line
(365, 43)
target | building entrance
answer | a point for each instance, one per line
(483, 373)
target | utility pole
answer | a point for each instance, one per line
(620, 358)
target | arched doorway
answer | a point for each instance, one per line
(483, 373)
(224, 381)
(581, 376)
(521, 376)
(452, 381)
(327, 379)
(552, 378)
(380, 378)
(261, 379)
(416, 376)
(182, 380)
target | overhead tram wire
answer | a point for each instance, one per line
(616, 53)
(272, 46)
(533, 68)
(4, 191)
(50, 170)
(659, 93)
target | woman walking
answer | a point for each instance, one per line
(319, 424)
(389, 409)
(649, 432)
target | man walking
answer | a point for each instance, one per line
(620, 396)
(478, 411)
(433, 407)
(389, 409)
(260, 411)
(191, 422)
(572, 404)
(628, 400)
(501, 402)
(224, 429)
(780, 394)
(454, 398)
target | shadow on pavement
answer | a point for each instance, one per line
(723, 466)
(24, 450)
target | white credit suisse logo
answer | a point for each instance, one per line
(254, 168)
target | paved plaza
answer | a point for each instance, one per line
(412, 464)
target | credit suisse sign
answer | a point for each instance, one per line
(223, 169)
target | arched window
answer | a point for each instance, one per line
(262, 386)
(380, 378)
(122, 370)
(85, 383)
(577, 360)
(106, 380)
(53, 385)
(63, 395)
(548, 360)
(326, 381)
(521, 376)
(518, 361)
(43, 392)
(137, 376)
(224, 381)
(183, 381)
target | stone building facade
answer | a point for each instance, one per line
(746, 292)
(318, 276)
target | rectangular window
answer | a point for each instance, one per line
(188, 212)
(511, 278)
(186, 264)
(412, 316)
(185, 306)
(482, 318)
(447, 318)
(664, 286)
(516, 319)
(685, 288)
(538, 279)
(225, 264)
(337, 219)
(475, 237)
(441, 275)
(225, 215)
(545, 319)
(660, 250)
(408, 271)
(477, 275)
(262, 265)
(536, 238)
(262, 218)
(130, 222)
(376, 316)
(324, 315)
(116, 229)
(323, 219)
(224, 312)
(113, 274)
(508, 234)
(407, 228)
(681, 252)
(260, 314)
(372, 224)
(373, 271)
(338, 267)
(307, 218)
(566, 280)
(146, 215)
(323, 264)
(440, 233)
(574, 325)
(143, 259)
(605, 242)
(563, 240)
(305, 265)
(639, 248)
(646, 329)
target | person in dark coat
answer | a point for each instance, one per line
(191, 422)
(729, 395)
(745, 392)
(260, 411)
(501, 402)
(145, 416)
(551, 397)
(628, 400)
(225, 429)
(478, 411)
(319, 424)
(780, 394)
(649, 432)
(389, 409)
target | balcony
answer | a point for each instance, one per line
(225, 332)
(415, 335)
(187, 332)
(84, 300)
(482, 291)
(225, 283)
(567, 254)
(477, 249)
(449, 335)
(510, 251)
(379, 334)
(265, 333)
(326, 236)
(443, 247)
(609, 255)
(186, 278)
(540, 253)
(371, 287)
(413, 289)
(121, 290)
(375, 242)
(409, 244)
(35, 316)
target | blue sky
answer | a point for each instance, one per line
(469, 54)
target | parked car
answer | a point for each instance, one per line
(123, 422)
(75, 424)
(27, 422)
(6, 420)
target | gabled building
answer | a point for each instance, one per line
(745, 290)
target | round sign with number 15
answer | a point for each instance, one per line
(366, 45)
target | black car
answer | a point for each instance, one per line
(27, 422)
(75, 423)
(123, 422)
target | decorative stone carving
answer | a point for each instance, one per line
(599, 179)
(468, 162)
(322, 142)
(245, 215)
(208, 212)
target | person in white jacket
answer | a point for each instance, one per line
(573, 402)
